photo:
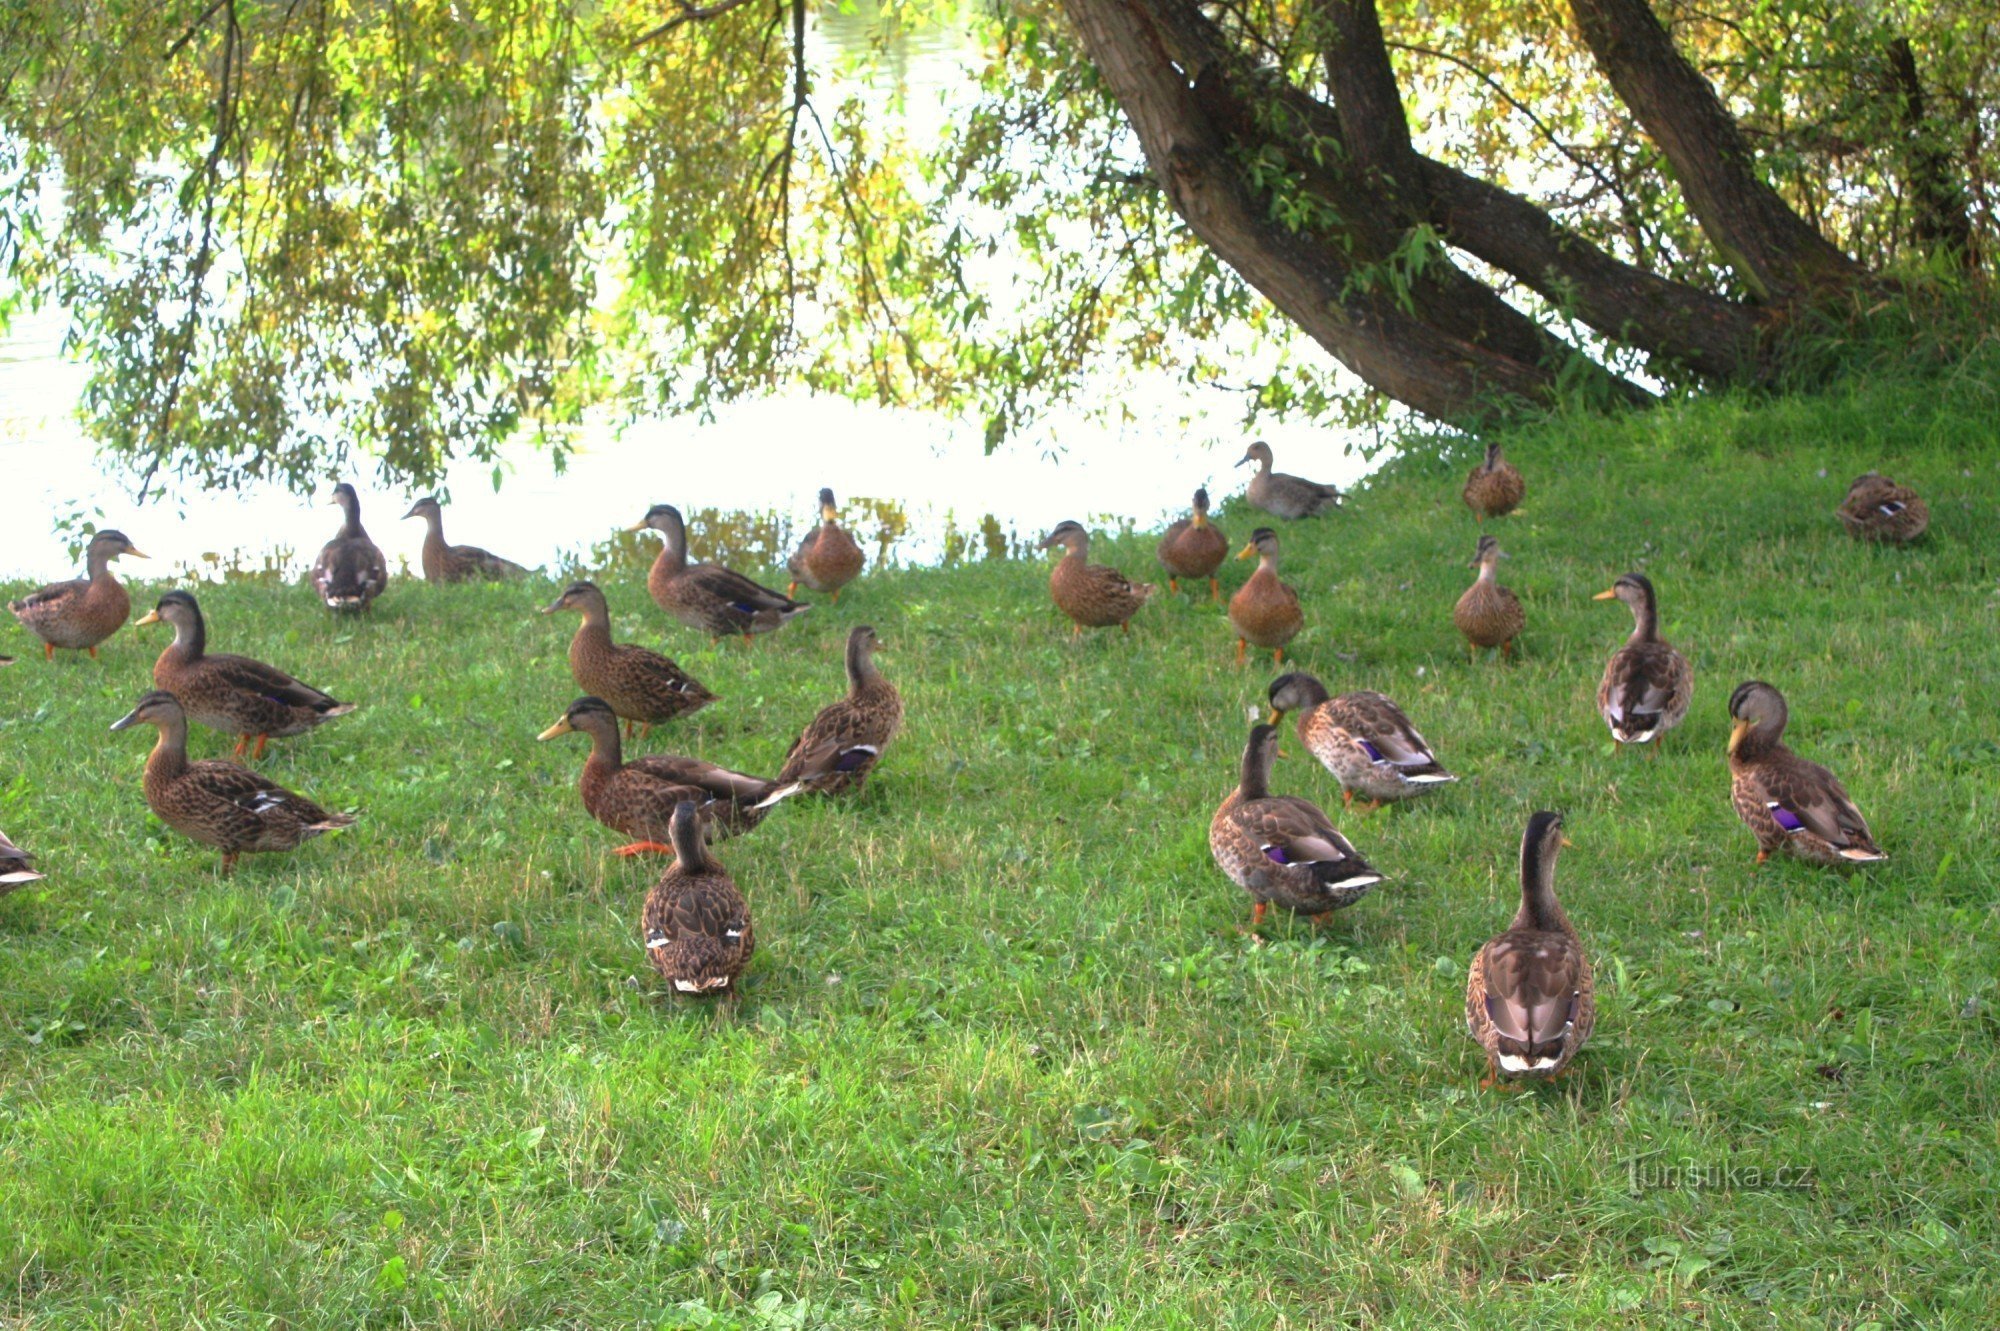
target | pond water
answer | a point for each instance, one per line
(916, 488)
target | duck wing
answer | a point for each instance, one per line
(1534, 989)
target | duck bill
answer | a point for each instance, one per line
(562, 727)
(127, 721)
(554, 606)
(1567, 844)
(415, 509)
(1736, 734)
(1276, 716)
(135, 552)
(1247, 551)
(640, 525)
(1246, 458)
(1610, 595)
(152, 617)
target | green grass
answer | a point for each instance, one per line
(1004, 1059)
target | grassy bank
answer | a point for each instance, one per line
(1004, 1059)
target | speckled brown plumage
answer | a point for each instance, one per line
(1194, 548)
(1530, 999)
(1495, 487)
(233, 694)
(719, 601)
(1092, 595)
(1363, 738)
(350, 571)
(641, 686)
(1265, 610)
(1647, 683)
(695, 923)
(638, 798)
(1791, 805)
(1878, 509)
(828, 558)
(220, 803)
(445, 562)
(1488, 614)
(841, 746)
(80, 614)
(1280, 849)
(1283, 495)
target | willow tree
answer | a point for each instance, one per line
(283, 228)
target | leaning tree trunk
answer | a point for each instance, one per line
(1939, 223)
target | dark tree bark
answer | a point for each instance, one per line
(1940, 223)
(1775, 251)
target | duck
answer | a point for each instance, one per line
(216, 802)
(695, 921)
(1264, 610)
(1878, 509)
(17, 867)
(840, 747)
(1495, 487)
(638, 798)
(1194, 548)
(1790, 804)
(1489, 615)
(1280, 849)
(1530, 1002)
(1363, 738)
(350, 571)
(456, 563)
(80, 614)
(1094, 596)
(719, 601)
(1647, 683)
(829, 557)
(1285, 496)
(233, 694)
(641, 686)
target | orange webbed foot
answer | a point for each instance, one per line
(643, 848)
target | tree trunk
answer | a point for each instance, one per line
(1772, 249)
(1940, 223)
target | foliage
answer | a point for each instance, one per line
(1004, 1059)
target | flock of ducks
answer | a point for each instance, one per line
(1529, 997)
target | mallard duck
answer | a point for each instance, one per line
(1285, 496)
(17, 867)
(1264, 609)
(220, 803)
(1194, 548)
(1488, 614)
(696, 923)
(1529, 1000)
(719, 601)
(640, 685)
(1281, 849)
(1647, 683)
(828, 558)
(841, 745)
(233, 694)
(1788, 803)
(1878, 509)
(350, 571)
(1363, 738)
(638, 798)
(1495, 487)
(1094, 596)
(456, 563)
(79, 615)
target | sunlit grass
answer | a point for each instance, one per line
(1004, 1058)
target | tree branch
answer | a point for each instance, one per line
(690, 13)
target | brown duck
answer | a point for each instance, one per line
(638, 799)
(81, 614)
(216, 802)
(17, 867)
(444, 562)
(1280, 849)
(1264, 610)
(233, 694)
(828, 558)
(1529, 1000)
(1194, 548)
(1878, 509)
(1094, 596)
(1494, 489)
(719, 601)
(1788, 803)
(841, 745)
(1283, 495)
(1647, 684)
(350, 571)
(1488, 614)
(696, 923)
(640, 685)
(1363, 738)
